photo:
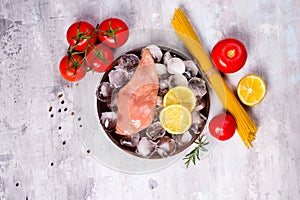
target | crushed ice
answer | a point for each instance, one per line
(118, 77)
(128, 61)
(183, 139)
(155, 131)
(145, 147)
(177, 79)
(155, 52)
(109, 120)
(198, 86)
(175, 66)
(104, 91)
(130, 141)
(166, 147)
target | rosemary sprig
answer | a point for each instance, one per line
(195, 153)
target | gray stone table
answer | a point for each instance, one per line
(39, 160)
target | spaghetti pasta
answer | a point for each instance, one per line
(245, 125)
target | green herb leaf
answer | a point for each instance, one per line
(195, 153)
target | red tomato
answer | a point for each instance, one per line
(229, 55)
(80, 35)
(100, 58)
(222, 126)
(113, 32)
(71, 69)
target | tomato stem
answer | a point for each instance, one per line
(99, 54)
(231, 53)
(82, 36)
(111, 32)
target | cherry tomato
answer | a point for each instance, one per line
(71, 68)
(229, 55)
(222, 126)
(80, 35)
(113, 32)
(100, 58)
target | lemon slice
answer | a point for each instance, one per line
(251, 89)
(175, 119)
(181, 95)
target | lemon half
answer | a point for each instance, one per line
(175, 119)
(251, 89)
(180, 95)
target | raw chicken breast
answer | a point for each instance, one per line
(137, 99)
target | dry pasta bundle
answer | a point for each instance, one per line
(245, 126)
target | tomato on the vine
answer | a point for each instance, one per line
(222, 126)
(100, 58)
(229, 55)
(71, 68)
(113, 32)
(80, 35)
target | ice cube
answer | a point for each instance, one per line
(177, 79)
(128, 61)
(167, 56)
(112, 102)
(198, 118)
(166, 146)
(175, 66)
(198, 86)
(200, 103)
(161, 70)
(130, 141)
(155, 52)
(191, 67)
(145, 147)
(109, 121)
(155, 131)
(163, 87)
(182, 139)
(197, 128)
(159, 101)
(118, 77)
(187, 75)
(104, 91)
(156, 115)
(163, 84)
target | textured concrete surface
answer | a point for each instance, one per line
(39, 160)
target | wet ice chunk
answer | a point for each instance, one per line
(198, 118)
(198, 86)
(163, 84)
(200, 103)
(130, 141)
(109, 120)
(155, 52)
(155, 131)
(187, 75)
(145, 147)
(104, 91)
(166, 146)
(118, 77)
(128, 61)
(175, 66)
(198, 127)
(191, 67)
(112, 102)
(177, 79)
(159, 101)
(163, 87)
(183, 139)
(167, 56)
(161, 70)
